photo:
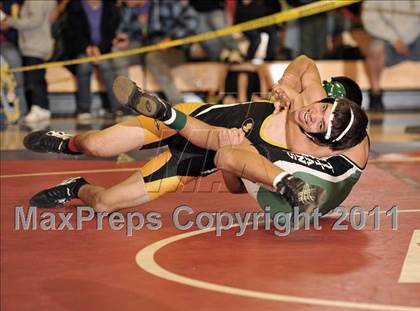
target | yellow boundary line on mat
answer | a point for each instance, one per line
(145, 259)
(295, 13)
(116, 170)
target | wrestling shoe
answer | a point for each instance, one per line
(59, 194)
(149, 105)
(299, 193)
(48, 141)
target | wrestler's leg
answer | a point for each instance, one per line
(122, 137)
(119, 138)
(199, 133)
(290, 191)
(159, 178)
(131, 134)
(131, 192)
(153, 180)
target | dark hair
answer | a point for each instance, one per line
(342, 116)
(353, 91)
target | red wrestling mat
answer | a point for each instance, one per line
(89, 269)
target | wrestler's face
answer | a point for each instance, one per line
(314, 117)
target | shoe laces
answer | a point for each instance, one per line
(58, 134)
(306, 196)
(55, 140)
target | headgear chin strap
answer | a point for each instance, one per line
(334, 88)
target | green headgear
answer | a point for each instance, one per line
(334, 89)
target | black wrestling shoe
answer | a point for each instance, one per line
(130, 95)
(48, 141)
(299, 193)
(59, 194)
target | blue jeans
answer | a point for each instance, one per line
(392, 58)
(10, 52)
(84, 94)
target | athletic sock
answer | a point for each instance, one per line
(278, 179)
(177, 120)
(71, 147)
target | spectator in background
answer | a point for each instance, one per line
(312, 32)
(58, 18)
(169, 20)
(9, 50)
(36, 45)
(212, 16)
(339, 21)
(90, 30)
(395, 30)
(251, 9)
(131, 33)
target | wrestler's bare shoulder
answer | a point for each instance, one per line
(359, 154)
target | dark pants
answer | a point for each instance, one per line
(36, 90)
(313, 35)
(254, 37)
(84, 94)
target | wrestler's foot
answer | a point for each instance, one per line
(300, 194)
(59, 194)
(48, 141)
(130, 95)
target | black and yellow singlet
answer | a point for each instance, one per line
(184, 161)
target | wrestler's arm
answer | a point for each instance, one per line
(244, 161)
(301, 73)
(301, 78)
(207, 136)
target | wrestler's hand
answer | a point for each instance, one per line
(233, 136)
(280, 98)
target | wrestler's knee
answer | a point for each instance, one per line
(93, 145)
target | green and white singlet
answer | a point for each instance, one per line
(336, 174)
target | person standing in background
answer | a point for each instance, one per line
(131, 33)
(9, 50)
(247, 10)
(91, 27)
(394, 27)
(36, 45)
(168, 21)
(212, 16)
